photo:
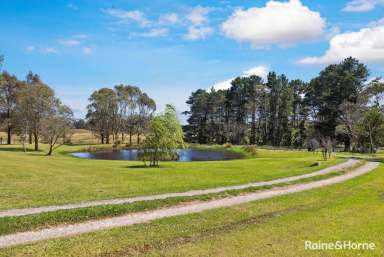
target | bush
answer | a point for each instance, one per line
(227, 145)
(316, 164)
(250, 149)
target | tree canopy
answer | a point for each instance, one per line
(30, 108)
(164, 137)
(330, 109)
(119, 111)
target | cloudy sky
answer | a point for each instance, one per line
(170, 48)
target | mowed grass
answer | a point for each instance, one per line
(32, 179)
(9, 225)
(351, 211)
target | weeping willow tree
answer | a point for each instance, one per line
(164, 138)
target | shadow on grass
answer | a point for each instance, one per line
(377, 159)
(371, 158)
(142, 166)
(6, 148)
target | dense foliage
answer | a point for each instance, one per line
(293, 113)
(164, 137)
(119, 111)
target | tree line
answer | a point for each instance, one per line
(30, 109)
(119, 112)
(338, 106)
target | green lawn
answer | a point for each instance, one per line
(9, 225)
(33, 179)
(353, 210)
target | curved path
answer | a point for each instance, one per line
(27, 211)
(142, 217)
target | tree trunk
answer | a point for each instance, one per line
(122, 137)
(30, 137)
(347, 145)
(253, 130)
(370, 141)
(50, 150)
(8, 127)
(107, 139)
(130, 137)
(9, 135)
(36, 138)
(102, 138)
(138, 138)
(24, 147)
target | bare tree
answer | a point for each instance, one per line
(57, 126)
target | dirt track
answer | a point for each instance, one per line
(28, 211)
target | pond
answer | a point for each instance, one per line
(185, 155)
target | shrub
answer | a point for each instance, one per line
(250, 149)
(227, 145)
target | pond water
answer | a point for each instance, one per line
(185, 155)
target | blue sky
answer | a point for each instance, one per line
(171, 48)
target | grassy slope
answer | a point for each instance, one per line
(33, 179)
(353, 210)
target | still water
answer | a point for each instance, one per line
(185, 155)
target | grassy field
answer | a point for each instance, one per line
(9, 225)
(78, 137)
(33, 179)
(275, 227)
(353, 210)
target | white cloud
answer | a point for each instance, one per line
(49, 50)
(197, 21)
(261, 71)
(69, 42)
(198, 15)
(30, 49)
(169, 19)
(362, 5)
(87, 50)
(371, 79)
(222, 85)
(366, 45)
(196, 33)
(125, 16)
(278, 23)
(156, 32)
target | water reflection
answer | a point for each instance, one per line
(185, 155)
